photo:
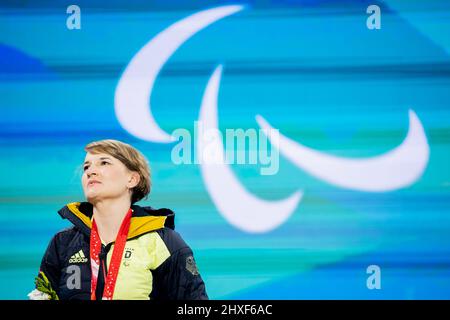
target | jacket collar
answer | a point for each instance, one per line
(143, 219)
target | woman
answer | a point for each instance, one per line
(116, 249)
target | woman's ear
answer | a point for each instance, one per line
(134, 180)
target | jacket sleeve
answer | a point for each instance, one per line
(47, 281)
(178, 278)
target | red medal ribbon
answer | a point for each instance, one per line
(113, 271)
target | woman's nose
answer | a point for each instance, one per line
(91, 171)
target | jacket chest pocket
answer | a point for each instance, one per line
(135, 279)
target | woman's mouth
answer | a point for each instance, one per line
(92, 183)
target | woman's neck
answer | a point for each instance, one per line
(108, 215)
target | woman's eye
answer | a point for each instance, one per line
(85, 168)
(104, 162)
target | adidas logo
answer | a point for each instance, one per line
(78, 257)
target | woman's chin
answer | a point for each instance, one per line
(92, 197)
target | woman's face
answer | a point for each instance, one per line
(105, 177)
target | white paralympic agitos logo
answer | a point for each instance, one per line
(400, 167)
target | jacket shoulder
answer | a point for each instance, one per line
(66, 234)
(172, 239)
(68, 238)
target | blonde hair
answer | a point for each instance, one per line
(131, 158)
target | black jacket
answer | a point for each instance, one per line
(157, 263)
